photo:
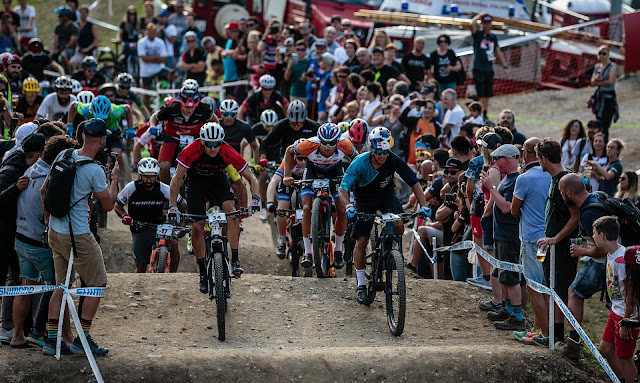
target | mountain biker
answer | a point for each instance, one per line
(203, 162)
(88, 75)
(357, 133)
(184, 117)
(283, 193)
(124, 81)
(290, 129)
(56, 105)
(324, 156)
(145, 198)
(268, 119)
(36, 60)
(30, 101)
(370, 177)
(267, 97)
(102, 108)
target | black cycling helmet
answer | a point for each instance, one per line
(35, 45)
(89, 62)
(124, 80)
(189, 96)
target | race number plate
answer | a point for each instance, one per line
(165, 230)
(185, 140)
(390, 217)
(217, 218)
(298, 215)
(320, 184)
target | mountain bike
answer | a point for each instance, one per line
(217, 260)
(160, 260)
(384, 267)
(321, 225)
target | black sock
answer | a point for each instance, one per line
(573, 334)
(484, 113)
(201, 266)
(234, 255)
(558, 329)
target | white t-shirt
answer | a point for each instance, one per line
(28, 13)
(594, 179)
(155, 47)
(453, 117)
(478, 120)
(615, 278)
(340, 55)
(51, 108)
(369, 107)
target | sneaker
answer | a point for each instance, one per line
(6, 336)
(307, 261)
(499, 316)
(571, 349)
(480, 282)
(338, 261)
(361, 295)
(526, 333)
(36, 338)
(203, 284)
(76, 347)
(539, 340)
(489, 305)
(511, 323)
(282, 251)
(263, 214)
(189, 245)
(50, 348)
(237, 269)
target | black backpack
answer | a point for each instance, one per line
(57, 196)
(628, 216)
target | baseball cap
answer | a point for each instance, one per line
(11, 59)
(487, 18)
(491, 140)
(631, 256)
(377, 49)
(454, 163)
(321, 42)
(96, 127)
(232, 25)
(289, 41)
(428, 89)
(163, 13)
(507, 151)
(33, 143)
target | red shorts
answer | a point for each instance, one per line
(624, 348)
(168, 152)
(476, 228)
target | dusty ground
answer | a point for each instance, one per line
(159, 327)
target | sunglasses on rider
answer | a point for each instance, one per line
(380, 152)
(228, 114)
(301, 158)
(328, 143)
(296, 124)
(211, 145)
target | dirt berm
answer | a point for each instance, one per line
(159, 328)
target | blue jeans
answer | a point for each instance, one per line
(447, 85)
(590, 279)
(461, 269)
(35, 262)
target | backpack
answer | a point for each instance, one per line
(57, 196)
(461, 75)
(626, 211)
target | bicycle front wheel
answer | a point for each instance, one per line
(221, 297)
(162, 256)
(395, 291)
(320, 230)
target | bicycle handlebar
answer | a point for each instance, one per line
(142, 224)
(403, 216)
(199, 217)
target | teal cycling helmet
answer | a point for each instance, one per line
(101, 107)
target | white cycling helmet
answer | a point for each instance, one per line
(380, 139)
(62, 82)
(211, 132)
(297, 111)
(85, 97)
(76, 87)
(267, 81)
(229, 106)
(269, 118)
(191, 81)
(148, 166)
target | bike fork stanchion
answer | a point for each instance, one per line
(413, 240)
(552, 285)
(435, 257)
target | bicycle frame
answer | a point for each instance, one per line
(383, 243)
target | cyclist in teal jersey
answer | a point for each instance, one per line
(102, 108)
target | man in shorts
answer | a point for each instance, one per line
(88, 261)
(506, 235)
(153, 55)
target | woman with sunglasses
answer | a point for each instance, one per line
(604, 77)
(628, 186)
(201, 167)
(324, 160)
(370, 178)
(444, 63)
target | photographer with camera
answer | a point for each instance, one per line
(418, 126)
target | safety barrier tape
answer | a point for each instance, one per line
(12, 291)
(540, 288)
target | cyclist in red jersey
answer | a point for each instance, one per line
(203, 162)
(183, 119)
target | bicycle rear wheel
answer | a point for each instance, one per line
(395, 291)
(320, 229)
(221, 297)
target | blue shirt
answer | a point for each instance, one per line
(505, 226)
(368, 182)
(229, 64)
(532, 189)
(89, 178)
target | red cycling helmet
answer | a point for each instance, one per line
(358, 130)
